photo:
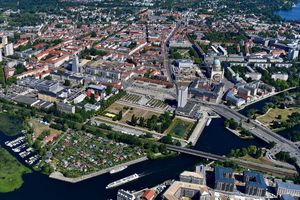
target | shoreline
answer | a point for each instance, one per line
(59, 176)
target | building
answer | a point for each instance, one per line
(148, 195)
(48, 86)
(216, 73)
(76, 65)
(230, 97)
(4, 40)
(9, 49)
(287, 188)
(192, 177)
(66, 108)
(79, 98)
(182, 190)
(184, 63)
(206, 91)
(255, 183)
(125, 195)
(182, 96)
(47, 96)
(1, 56)
(224, 180)
(280, 76)
(293, 54)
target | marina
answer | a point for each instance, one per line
(20, 146)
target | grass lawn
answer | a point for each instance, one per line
(11, 171)
(273, 114)
(9, 125)
(39, 128)
(138, 113)
(180, 128)
(184, 53)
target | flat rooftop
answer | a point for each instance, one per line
(170, 194)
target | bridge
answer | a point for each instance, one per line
(197, 153)
(258, 130)
(274, 170)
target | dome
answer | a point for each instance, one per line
(217, 62)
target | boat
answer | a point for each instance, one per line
(208, 122)
(122, 181)
(118, 169)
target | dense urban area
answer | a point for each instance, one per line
(89, 88)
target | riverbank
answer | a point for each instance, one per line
(237, 133)
(198, 129)
(61, 177)
(11, 172)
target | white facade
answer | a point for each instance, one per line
(280, 76)
(293, 54)
(1, 57)
(182, 96)
(75, 65)
(4, 40)
(9, 49)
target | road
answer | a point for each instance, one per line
(262, 132)
(280, 171)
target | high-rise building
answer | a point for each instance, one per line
(293, 54)
(1, 57)
(76, 65)
(4, 40)
(182, 96)
(9, 49)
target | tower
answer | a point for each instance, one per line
(182, 96)
(216, 71)
(75, 65)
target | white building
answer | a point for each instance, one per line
(293, 54)
(4, 40)
(76, 65)
(182, 96)
(1, 57)
(80, 98)
(9, 49)
(185, 63)
(280, 76)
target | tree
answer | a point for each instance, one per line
(93, 34)
(166, 139)
(108, 90)
(67, 83)
(120, 115)
(133, 120)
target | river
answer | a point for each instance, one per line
(215, 139)
(291, 14)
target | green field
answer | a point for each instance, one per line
(180, 128)
(10, 125)
(273, 113)
(11, 171)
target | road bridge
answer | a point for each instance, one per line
(278, 171)
(257, 130)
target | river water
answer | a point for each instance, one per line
(215, 139)
(292, 14)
